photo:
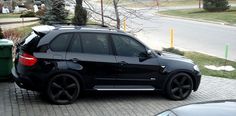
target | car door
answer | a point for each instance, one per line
(136, 67)
(90, 54)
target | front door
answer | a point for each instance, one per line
(135, 66)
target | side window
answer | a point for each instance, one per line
(76, 44)
(127, 46)
(61, 42)
(95, 43)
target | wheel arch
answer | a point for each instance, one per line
(73, 73)
(189, 72)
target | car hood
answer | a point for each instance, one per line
(226, 108)
(175, 57)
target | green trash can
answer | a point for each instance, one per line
(5, 58)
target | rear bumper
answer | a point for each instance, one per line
(21, 81)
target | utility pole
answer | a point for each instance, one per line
(200, 3)
(102, 12)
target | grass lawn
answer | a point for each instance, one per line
(229, 17)
(24, 31)
(11, 15)
(201, 60)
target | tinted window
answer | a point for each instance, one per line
(95, 43)
(30, 42)
(127, 46)
(76, 44)
(61, 42)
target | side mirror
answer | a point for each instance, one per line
(149, 52)
(145, 56)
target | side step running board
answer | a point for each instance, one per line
(123, 88)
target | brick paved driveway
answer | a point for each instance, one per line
(15, 101)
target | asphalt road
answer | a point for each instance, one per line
(188, 35)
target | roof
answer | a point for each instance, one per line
(47, 28)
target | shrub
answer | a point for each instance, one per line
(41, 12)
(80, 17)
(28, 14)
(12, 34)
(173, 50)
(1, 34)
(216, 5)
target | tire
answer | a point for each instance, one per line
(63, 89)
(179, 86)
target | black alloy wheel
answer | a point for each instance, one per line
(179, 86)
(63, 89)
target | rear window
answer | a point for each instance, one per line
(29, 38)
(30, 42)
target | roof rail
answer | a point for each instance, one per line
(75, 24)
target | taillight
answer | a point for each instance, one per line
(27, 59)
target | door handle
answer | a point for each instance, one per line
(123, 63)
(75, 60)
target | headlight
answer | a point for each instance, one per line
(196, 68)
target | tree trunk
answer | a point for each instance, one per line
(79, 2)
(115, 2)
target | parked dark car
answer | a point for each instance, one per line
(61, 61)
(214, 108)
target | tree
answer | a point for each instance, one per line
(115, 3)
(55, 14)
(215, 5)
(1, 34)
(80, 17)
(114, 14)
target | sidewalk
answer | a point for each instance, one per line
(17, 20)
(10, 23)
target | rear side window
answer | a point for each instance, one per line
(95, 43)
(60, 43)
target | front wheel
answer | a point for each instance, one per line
(179, 86)
(63, 89)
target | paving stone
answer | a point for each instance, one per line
(15, 101)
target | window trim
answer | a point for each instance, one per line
(49, 45)
(114, 47)
(71, 42)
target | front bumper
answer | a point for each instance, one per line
(197, 81)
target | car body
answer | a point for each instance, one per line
(214, 108)
(101, 59)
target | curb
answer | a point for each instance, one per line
(198, 20)
(13, 22)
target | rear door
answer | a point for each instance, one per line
(90, 54)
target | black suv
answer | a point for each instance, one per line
(61, 61)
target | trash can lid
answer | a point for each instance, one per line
(6, 42)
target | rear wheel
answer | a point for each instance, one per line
(63, 89)
(179, 86)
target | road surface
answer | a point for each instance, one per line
(188, 35)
